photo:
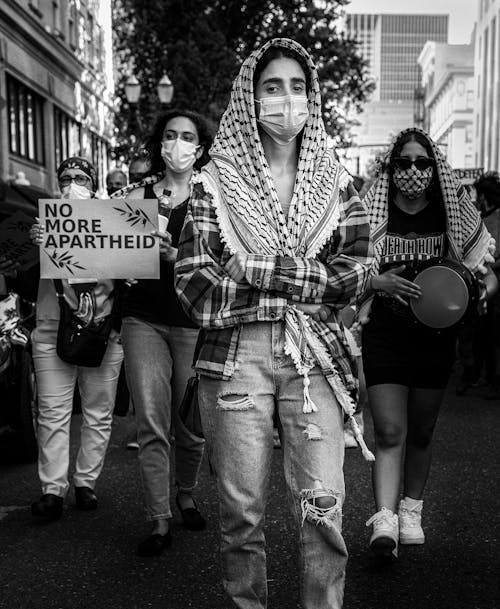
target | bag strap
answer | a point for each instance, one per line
(59, 288)
(197, 349)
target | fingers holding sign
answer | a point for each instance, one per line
(167, 251)
(37, 232)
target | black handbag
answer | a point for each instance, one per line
(189, 410)
(78, 344)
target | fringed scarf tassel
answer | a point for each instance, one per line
(309, 406)
(367, 453)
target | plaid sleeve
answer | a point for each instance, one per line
(335, 277)
(208, 295)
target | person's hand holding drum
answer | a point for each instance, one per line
(392, 283)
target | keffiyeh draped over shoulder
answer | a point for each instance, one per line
(251, 218)
(468, 240)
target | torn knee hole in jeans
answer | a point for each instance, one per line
(320, 506)
(235, 401)
(312, 432)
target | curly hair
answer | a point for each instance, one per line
(153, 143)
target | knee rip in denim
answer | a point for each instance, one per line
(233, 401)
(320, 506)
(312, 432)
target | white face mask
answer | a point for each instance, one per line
(73, 191)
(179, 155)
(283, 118)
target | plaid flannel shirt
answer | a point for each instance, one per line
(220, 305)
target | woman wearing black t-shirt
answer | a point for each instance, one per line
(418, 211)
(159, 339)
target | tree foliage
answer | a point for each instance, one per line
(201, 45)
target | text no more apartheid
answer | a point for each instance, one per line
(81, 235)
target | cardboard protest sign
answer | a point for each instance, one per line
(15, 242)
(93, 238)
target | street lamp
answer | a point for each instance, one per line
(165, 90)
(133, 94)
(132, 89)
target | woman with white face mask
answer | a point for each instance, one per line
(159, 338)
(91, 301)
(418, 212)
(275, 240)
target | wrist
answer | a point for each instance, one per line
(374, 285)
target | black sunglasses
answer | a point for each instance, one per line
(421, 163)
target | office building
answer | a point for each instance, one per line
(487, 86)
(391, 45)
(448, 83)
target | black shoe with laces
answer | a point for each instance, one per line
(191, 517)
(86, 499)
(49, 507)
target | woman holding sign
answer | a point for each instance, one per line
(91, 302)
(159, 339)
(419, 214)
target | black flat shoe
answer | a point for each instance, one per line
(48, 506)
(154, 544)
(191, 517)
(383, 547)
(86, 499)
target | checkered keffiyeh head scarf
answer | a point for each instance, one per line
(245, 179)
(468, 240)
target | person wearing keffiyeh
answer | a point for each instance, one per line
(275, 242)
(418, 211)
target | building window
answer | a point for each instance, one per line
(91, 42)
(99, 153)
(35, 7)
(67, 136)
(73, 38)
(100, 49)
(25, 111)
(56, 18)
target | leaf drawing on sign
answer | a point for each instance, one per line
(64, 260)
(134, 216)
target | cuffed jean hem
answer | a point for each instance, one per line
(155, 517)
(51, 489)
(84, 482)
(184, 489)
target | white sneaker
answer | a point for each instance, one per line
(385, 536)
(410, 527)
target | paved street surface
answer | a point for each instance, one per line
(87, 561)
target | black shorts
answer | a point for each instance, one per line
(407, 354)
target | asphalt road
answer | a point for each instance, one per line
(87, 560)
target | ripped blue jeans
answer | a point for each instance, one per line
(237, 418)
